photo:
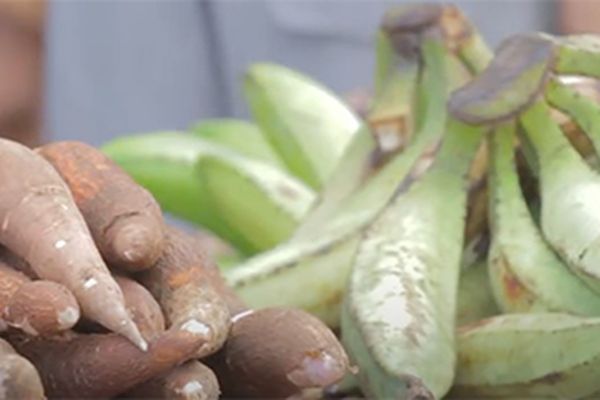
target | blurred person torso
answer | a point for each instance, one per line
(122, 67)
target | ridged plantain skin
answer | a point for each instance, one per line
(238, 135)
(570, 216)
(474, 302)
(584, 111)
(506, 91)
(399, 309)
(518, 356)
(361, 186)
(577, 54)
(307, 125)
(526, 275)
(310, 275)
(264, 203)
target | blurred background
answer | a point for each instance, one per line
(93, 70)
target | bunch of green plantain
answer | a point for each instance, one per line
(451, 235)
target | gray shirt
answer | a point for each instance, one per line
(121, 67)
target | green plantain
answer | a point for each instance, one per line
(241, 136)
(305, 123)
(528, 356)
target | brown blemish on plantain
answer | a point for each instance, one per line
(332, 300)
(414, 332)
(551, 378)
(515, 56)
(381, 129)
(391, 133)
(474, 325)
(577, 136)
(418, 169)
(456, 29)
(377, 159)
(513, 288)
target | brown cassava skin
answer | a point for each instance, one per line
(16, 263)
(20, 380)
(36, 307)
(48, 307)
(146, 314)
(277, 353)
(125, 220)
(181, 283)
(42, 308)
(190, 381)
(270, 352)
(10, 281)
(109, 351)
(102, 365)
(40, 222)
(142, 307)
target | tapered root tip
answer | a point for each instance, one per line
(135, 243)
(128, 329)
(131, 332)
(102, 301)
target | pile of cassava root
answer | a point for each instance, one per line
(99, 298)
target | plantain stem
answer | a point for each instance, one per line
(504, 182)
(392, 117)
(352, 206)
(409, 262)
(451, 165)
(475, 53)
(578, 55)
(398, 320)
